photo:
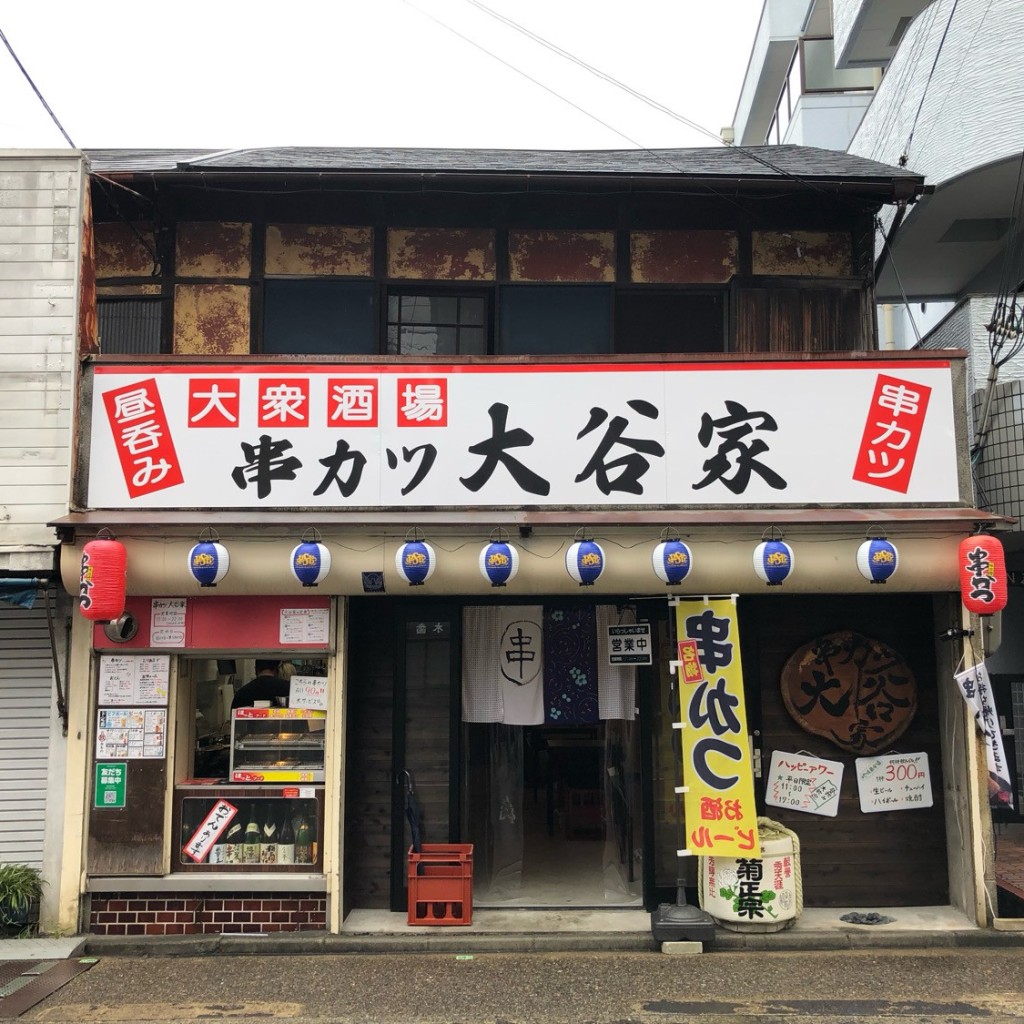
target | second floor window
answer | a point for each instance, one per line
(422, 324)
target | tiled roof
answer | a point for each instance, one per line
(772, 162)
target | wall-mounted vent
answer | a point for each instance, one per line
(901, 30)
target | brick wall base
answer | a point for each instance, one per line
(155, 913)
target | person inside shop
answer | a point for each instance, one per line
(267, 685)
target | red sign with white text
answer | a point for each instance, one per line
(892, 433)
(142, 438)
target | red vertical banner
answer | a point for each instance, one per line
(142, 437)
(892, 433)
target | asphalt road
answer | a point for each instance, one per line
(965, 986)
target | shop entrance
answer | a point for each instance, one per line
(554, 814)
(551, 802)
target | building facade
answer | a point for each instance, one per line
(949, 266)
(41, 227)
(416, 427)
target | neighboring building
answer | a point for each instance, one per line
(41, 204)
(952, 271)
(363, 349)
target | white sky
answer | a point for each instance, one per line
(225, 74)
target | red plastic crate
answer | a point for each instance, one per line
(441, 884)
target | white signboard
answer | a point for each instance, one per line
(205, 837)
(677, 434)
(167, 622)
(802, 782)
(893, 782)
(630, 644)
(131, 733)
(130, 679)
(308, 692)
(304, 626)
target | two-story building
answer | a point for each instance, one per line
(42, 291)
(416, 426)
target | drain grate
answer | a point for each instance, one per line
(23, 983)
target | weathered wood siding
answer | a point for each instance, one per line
(888, 859)
(40, 249)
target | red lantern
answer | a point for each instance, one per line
(104, 579)
(982, 574)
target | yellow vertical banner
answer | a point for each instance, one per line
(721, 817)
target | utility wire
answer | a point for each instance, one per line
(655, 104)
(28, 78)
(924, 92)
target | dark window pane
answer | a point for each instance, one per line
(472, 341)
(392, 339)
(129, 326)
(319, 317)
(427, 341)
(393, 301)
(473, 311)
(653, 321)
(549, 320)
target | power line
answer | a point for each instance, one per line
(655, 104)
(35, 89)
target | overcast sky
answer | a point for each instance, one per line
(226, 74)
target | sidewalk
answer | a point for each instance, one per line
(505, 931)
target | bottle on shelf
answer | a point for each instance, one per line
(286, 838)
(233, 843)
(303, 842)
(251, 850)
(219, 850)
(268, 840)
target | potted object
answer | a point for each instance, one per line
(21, 887)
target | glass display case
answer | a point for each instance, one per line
(277, 745)
(247, 828)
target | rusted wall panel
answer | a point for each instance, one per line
(683, 257)
(319, 249)
(441, 254)
(561, 256)
(803, 253)
(211, 319)
(119, 251)
(212, 249)
(142, 288)
(88, 320)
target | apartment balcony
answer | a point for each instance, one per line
(950, 104)
(868, 32)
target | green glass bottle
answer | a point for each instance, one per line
(251, 843)
(303, 842)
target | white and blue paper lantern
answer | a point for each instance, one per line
(208, 563)
(415, 562)
(773, 561)
(584, 562)
(672, 561)
(877, 559)
(499, 563)
(310, 562)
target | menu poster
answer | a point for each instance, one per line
(304, 626)
(134, 679)
(803, 782)
(167, 622)
(308, 692)
(131, 733)
(894, 782)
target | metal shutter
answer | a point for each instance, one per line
(26, 681)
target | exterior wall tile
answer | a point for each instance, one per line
(211, 319)
(584, 256)
(319, 250)
(802, 253)
(683, 257)
(255, 913)
(213, 249)
(441, 254)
